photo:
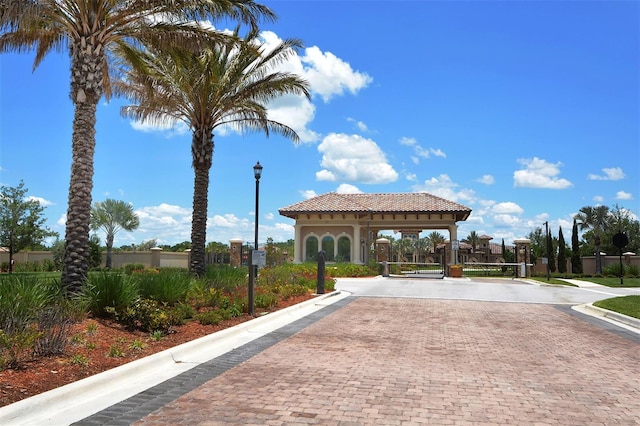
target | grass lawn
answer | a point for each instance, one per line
(613, 281)
(628, 305)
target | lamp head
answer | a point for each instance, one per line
(257, 170)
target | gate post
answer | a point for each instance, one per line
(523, 247)
(320, 276)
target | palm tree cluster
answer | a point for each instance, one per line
(155, 53)
(600, 224)
(419, 248)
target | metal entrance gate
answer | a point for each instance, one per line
(416, 270)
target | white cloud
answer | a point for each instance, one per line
(412, 177)
(227, 220)
(355, 159)
(507, 208)
(506, 220)
(408, 141)
(308, 193)
(420, 151)
(296, 112)
(359, 124)
(329, 75)
(622, 195)
(486, 179)
(42, 201)
(346, 188)
(444, 187)
(598, 198)
(613, 173)
(539, 173)
(169, 127)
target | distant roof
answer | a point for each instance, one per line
(399, 203)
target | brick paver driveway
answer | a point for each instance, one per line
(412, 361)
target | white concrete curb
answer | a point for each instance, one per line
(624, 321)
(78, 400)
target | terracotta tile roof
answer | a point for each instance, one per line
(375, 203)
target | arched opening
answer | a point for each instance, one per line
(344, 250)
(329, 249)
(311, 248)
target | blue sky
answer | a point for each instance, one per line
(524, 111)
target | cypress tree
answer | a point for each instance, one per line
(576, 264)
(552, 255)
(562, 253)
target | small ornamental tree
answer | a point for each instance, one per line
(113, 216)
(21, 220)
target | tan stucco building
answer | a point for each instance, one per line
(344, 224)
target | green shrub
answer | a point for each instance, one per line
(612, 270)
(144, 314)
(212, 317)
(14, 345)
(108, 289)
(184, 311)
(130, 268)
(166, 285)
(266, 301)
(201, 297)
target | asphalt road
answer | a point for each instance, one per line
(479, 289)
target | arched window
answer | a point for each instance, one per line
(344, 250)
(311, 249)
(328, 247)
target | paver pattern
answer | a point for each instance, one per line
(394, 361)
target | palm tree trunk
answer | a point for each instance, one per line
(109, 244)
(76, 253)
(86, 90)
(598, 257)
(202, 152)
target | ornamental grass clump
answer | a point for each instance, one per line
(32, 319)
(165, 285)
(105, 289)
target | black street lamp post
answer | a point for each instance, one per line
(253, 269)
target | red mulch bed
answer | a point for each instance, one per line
(43, 374)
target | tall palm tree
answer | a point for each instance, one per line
(113, 216)
(208, 88)
(96, 32)
(422, 247)
(595, 219)
(473, 238)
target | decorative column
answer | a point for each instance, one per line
(523, 257)
(383, 249)
(357, 245)
(297, 244)
(235, 250)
